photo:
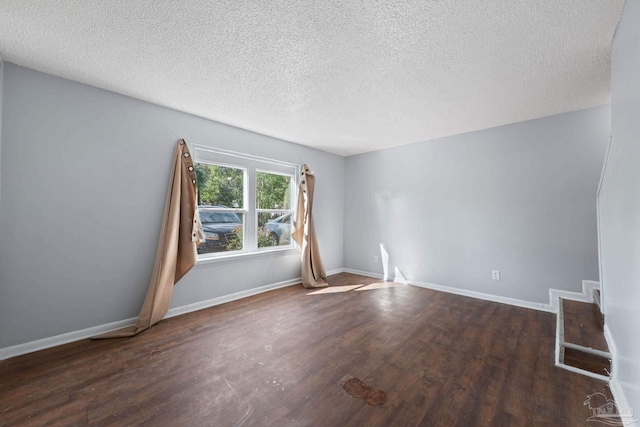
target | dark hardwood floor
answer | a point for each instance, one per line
(586, 361)
(582, 325)
(281, 359)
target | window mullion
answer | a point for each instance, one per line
(251, 220)
(275, 224)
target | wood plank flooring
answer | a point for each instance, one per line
(281, 358)
(588, 362)
(582, 325)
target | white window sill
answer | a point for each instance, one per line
(204, 260)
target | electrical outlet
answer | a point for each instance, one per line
(375, 258)
(495, 275)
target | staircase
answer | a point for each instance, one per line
(581, 345)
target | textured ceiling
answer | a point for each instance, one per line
(343, 76)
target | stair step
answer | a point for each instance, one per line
(586, 361)
(581, 342)
(582, 325)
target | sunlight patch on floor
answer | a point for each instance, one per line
(334, 289)
(379, 285)
(360, 287)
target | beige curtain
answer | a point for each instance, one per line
(304, 234)
(176, 254)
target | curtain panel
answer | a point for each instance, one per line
(313, 273)
(180, 233)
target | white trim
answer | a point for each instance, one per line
(239, 155)
(600, 183)
(250, 165)
(612, 349)
(621, 400)
(364, 273)
(590, 350)
(614, 385)
(559, 351)
(245, 256)
(54, 341)
(483, 296)
(463, 292)
(30, 347)
(604, 166)
(560, 345)
(200, 305)
(585, 296)
(583, 372)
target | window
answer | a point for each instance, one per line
(245, 202)
(273, 206)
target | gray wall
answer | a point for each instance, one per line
(1, 86)
(519, 198)
(84, 177)
(83, 181)
(619, 201)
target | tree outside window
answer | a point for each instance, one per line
(221, 189)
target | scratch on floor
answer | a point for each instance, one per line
(249, 410)
(253, 393)
(229, 384)
(245, 417)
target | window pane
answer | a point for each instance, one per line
(220, 186)
(272, 191)
(274, 229)
(223, 231)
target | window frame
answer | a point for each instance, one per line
(292, 204)
(250, 164)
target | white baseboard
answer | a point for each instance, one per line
(364, 273)
(614, 385)
(612, 349)
(585, 296)
(483, 296)
(200, 305)
(49, 342)
(30, 347)
(463, 292)
(621, 401)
